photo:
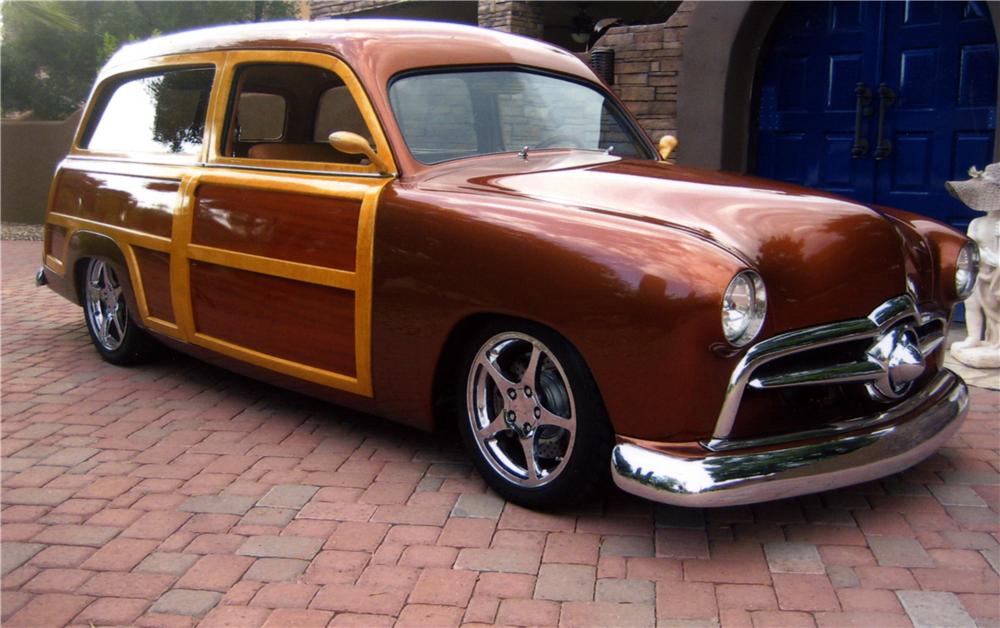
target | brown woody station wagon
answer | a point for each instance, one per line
(434, 223)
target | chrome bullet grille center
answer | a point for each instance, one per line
(898, 354)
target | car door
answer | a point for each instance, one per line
(277, 230)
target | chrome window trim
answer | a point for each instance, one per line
(882, 318)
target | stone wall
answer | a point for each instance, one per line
(331, 8)
(512, 16)
(647, 58)
(648, 69)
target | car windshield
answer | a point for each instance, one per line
(450, 115)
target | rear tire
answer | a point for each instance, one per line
(532, 418)
(112, 328)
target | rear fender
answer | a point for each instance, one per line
(84, 245)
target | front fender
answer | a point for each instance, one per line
(942, 244)
(640, 302)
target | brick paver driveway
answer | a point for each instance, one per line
(178, 493)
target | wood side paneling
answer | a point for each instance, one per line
(293, 320)
(55, 241)
(316, 230)
(137, 203)
(154, 270)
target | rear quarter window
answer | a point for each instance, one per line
(155, 113)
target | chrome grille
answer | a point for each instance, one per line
(830, 354)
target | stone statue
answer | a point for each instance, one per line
(981, 349)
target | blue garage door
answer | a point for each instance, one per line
(879, 101)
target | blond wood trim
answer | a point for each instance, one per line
(363, 296)
(180, 269)
(151, 64)
(164, 327)
(55, 265)
(216, 108)
(281, 365)
(319, 59)
(320, 185)
(122, 235)
(332, 278)
(138, 288)
(50, 201)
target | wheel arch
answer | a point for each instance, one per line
(85, 245)
(450, 354)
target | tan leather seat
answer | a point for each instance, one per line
(301, 152)
(338, 112)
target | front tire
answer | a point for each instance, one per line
(112, 328)
(532, 418)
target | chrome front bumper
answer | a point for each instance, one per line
(839, 459)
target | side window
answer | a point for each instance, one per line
(156, 113)
(286, 112)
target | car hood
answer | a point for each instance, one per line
(834, 257)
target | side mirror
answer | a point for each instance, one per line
(667, 145)
(354, 144)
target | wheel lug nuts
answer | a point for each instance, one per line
(527, 392)
(511, 393)
(511, 416)
(538, 412)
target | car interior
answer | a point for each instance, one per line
(286, 112)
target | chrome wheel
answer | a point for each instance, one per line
(521, 409)
(107, 313)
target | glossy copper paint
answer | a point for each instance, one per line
(154, 270)
(626, 259)
(316, 230)
(785, 233)
(305, 323)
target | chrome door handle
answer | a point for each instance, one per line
(886, 97)
(864, 96)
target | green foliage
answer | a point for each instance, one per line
(51, 51)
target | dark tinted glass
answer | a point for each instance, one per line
(156, 113)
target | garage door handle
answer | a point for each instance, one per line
(886, 97)
(863, 97)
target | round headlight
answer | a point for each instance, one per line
(743, 308)
(966, 270)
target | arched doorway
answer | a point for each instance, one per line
(879, 101)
